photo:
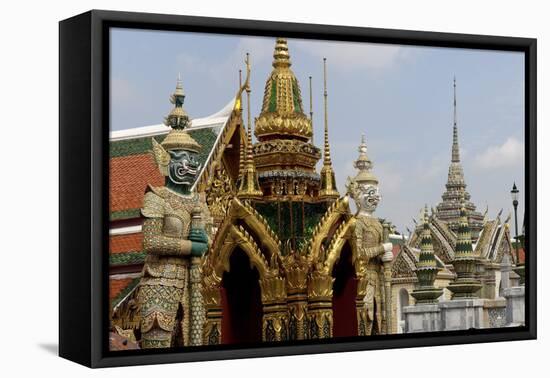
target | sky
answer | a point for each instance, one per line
(400, 97)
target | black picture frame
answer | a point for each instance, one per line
(83, 181)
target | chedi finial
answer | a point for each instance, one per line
(281, 57)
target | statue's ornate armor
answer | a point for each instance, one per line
(369, 235)
(164, 285)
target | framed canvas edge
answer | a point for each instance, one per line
(97, 328)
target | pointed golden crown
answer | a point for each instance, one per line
(179, 121)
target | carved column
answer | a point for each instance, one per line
(360, 304)
(320, 305)
(275, 317)
(212, 334)
(296, 270)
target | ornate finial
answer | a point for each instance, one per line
(281, 58)
(456, 148)
(249, 187)
(178, 118)
(364, 165)
(328, 180)
(179, 87)
(311, 109)
(363, 162)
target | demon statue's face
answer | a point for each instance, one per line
(365, 195)
(183, 167)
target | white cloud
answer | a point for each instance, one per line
(349, 55)
(510, 153)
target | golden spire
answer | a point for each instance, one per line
(282, 112)
(241, 144)
(249, 187)
(241, 158)
(326, 155)
(456, 149)
(311, 109)
(328, 181)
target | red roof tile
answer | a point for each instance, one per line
(117, 285)
(129, 177)
(125, 243)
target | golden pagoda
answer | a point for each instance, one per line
(284, 155)
(286, 262)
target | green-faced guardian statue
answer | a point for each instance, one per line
(176, 221)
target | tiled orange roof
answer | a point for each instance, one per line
(129, 177)
(125, 243)
(117, 285)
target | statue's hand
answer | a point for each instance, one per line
(388, 254)
(198, 235)
(198, 249)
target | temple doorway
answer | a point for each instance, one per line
(403, 299)
(241, 301)
(344, 293)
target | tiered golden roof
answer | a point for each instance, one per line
(284, 155)
(282, 111)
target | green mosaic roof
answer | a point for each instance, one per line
(127, 258)
(206, 137)
(124, 214)
(303, 228)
